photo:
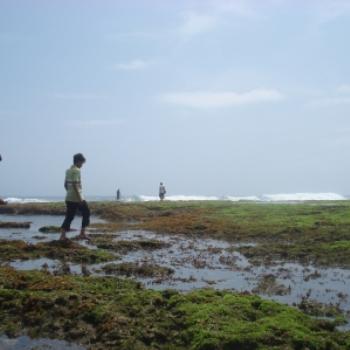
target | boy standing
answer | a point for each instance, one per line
(75, 199)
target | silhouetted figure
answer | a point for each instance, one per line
(2, 202)
(74, 198)
(162, 191)
(118, 195)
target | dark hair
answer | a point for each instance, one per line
(78, 158)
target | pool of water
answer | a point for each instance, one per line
(32, 234)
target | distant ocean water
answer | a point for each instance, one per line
(281, 197)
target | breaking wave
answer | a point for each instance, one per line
(281, 197)
(303, 197)
(27, 200)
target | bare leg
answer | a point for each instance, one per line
(83, 235)
(85, 221)
(63, 236)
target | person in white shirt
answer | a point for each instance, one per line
(74, 198)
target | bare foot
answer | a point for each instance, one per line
(83, 236)
(64, 238)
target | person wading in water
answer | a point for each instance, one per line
(74, 199)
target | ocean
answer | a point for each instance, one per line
(280, 197)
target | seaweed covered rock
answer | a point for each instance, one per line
(15, 224)
(50, 229)
(107, 241)
(135, 269)
(111, 313)
(61, 250)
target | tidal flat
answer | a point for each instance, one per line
(211, 275)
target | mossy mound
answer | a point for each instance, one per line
(110, 313)
(15, 224)
(62, 250)
(135, 269)
(50, 229)
(106, 241)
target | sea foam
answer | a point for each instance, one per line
(26, 200)
(279, 197)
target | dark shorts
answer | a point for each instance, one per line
(71, 210)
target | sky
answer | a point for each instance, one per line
(211, 97)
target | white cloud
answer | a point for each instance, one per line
(222, 99)
(95, 122)
(195, 23)
(132, 65)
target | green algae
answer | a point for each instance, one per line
(111, 313)
(313, 232)
(14, 224)
(50, 229)
(296, 232)
(62, 250)
(268, 285)
(135, 269)
(107, 241)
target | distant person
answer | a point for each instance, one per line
(74, 198)
(162, 191)
(118, 195)
(2, 202)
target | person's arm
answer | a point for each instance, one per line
(76, 183)
(76, 189)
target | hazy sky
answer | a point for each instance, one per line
(211, 97)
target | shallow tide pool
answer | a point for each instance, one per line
(200, 263)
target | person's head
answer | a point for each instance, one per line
(78, 160)
(161, 184)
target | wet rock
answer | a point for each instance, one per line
(135, 269)
(228, 260)
(315, 308)
(268, 285)
(63, 269)
(109, 313)
(39, 238)
(316, 274)
(125, 246)
(15, 224)
(61, 250)
(50, 229)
